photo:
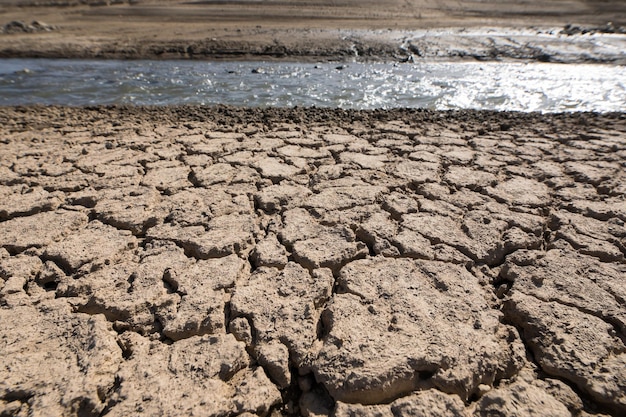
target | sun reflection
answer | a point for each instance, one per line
(542, 87)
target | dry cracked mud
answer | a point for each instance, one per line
(225, 261)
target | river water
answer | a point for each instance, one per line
(524, 87)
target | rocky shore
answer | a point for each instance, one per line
(229, 261)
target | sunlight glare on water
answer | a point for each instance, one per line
(435, 85)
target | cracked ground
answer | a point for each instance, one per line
(224, 261)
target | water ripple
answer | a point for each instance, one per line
(489, 86)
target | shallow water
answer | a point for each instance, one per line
(489, 86)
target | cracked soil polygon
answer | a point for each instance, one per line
(178, 261)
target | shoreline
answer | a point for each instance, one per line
(438, 45)
(313, 31)
(37, 116)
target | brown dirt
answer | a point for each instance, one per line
(226, 261)
(305, 29)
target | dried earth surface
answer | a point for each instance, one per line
(225, 261)
(314, 30)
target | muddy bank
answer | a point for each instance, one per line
(227, 261)
(579, 31)
(548, 44)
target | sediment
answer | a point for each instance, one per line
(338, 30)
(234, 261)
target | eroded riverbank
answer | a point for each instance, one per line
(395, 30)
(223, 261)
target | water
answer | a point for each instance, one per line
(491, 86)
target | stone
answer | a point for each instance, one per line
(192, 207)
(353, 410)
(25, 267)
(315, 404)
(413, 245)
(610, 208)
(398, 204)
(459, 155)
